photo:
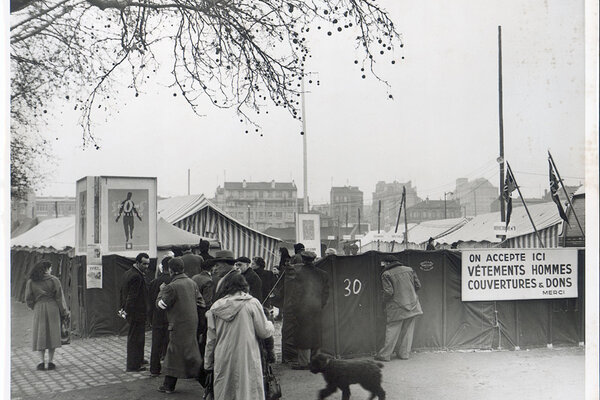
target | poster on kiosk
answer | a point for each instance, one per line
(308, 232)
(115, 215)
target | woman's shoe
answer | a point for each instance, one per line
(40, 367)
(51, 366)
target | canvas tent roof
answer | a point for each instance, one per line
(59, 233)
(175, 209)
(481, 227)
(197, 214)
(421, 232)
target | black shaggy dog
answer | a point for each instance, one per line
(343, 373)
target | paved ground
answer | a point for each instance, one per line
(94, 369)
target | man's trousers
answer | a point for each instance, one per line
(160, 341)
(398, 338)
(135, 343)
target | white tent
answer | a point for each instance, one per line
(479, 232)
(59, 233)
(420, 233)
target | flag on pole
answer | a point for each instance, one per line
(509, 187)
(554, 185)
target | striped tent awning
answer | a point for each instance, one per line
(200, 216)
(549, 239)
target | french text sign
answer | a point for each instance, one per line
(519, 274)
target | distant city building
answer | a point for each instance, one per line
(22, 207)
(54, 207)
(390, 195)
(429, 210)
(476, 196)
(260, 204)
(345, 201)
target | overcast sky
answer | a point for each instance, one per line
(442, 123)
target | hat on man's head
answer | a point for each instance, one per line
(225, 256)
(308, 255)
(389, 258)
(298, 247)
(245, 260)
(176, 265)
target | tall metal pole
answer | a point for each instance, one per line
(305, 162)
(359, 220)
(188, 181)
(501, 126)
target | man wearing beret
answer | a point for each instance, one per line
(309, 293)
(402, 305)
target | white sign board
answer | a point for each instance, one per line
(308, 232)
(510, 231)
(93, 277)
(347, 237)
(519, 274)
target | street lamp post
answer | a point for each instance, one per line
(445, 212)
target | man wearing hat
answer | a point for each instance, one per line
(309, 293)
(222, 265)
(402, 305)
(254, 282)
(297, 258)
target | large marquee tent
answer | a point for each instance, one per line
(479, 231)
(197, 214)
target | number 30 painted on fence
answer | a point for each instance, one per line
(352, 287)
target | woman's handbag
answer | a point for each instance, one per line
(272, 387)
(65, 333)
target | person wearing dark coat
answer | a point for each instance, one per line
(206, 287)
(158, 319)
(309, 292)
(430, 245)
(402, 305)
(267, 278)
(255, 285)
(297, 258)
(204, 246)
(134, 302)
(192, 263)
(181, 299)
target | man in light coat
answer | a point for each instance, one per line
(181, 299)
(402, 305)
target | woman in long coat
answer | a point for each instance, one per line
(44, 295)
(181, 298)
(235, 323)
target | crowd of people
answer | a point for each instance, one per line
(211, 316)
(209, 321)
